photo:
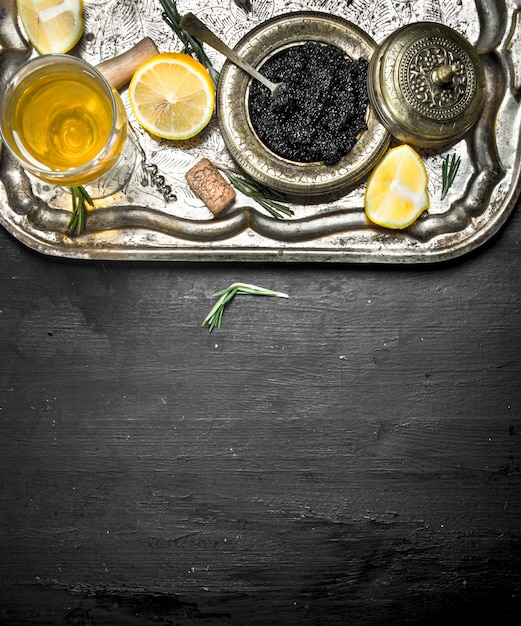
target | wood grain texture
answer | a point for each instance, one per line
(349, 455)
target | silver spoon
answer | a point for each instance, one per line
(196, 28)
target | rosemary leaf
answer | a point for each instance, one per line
(80, 200)
(215, 316)
(269, 199)
(191, 45)
(449, 170)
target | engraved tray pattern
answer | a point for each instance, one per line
(143, 222)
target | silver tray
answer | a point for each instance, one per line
(157, 217)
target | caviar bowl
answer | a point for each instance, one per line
(294, 179)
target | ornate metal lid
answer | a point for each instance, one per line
(427, 84)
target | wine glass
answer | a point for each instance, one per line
(65, 124)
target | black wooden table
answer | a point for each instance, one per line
(350, 455)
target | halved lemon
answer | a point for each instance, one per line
(396, 193)
(52, 25)
(172, 95)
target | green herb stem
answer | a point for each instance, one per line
(80, 200)
(269, 199)
(449, 170)
(191, 45)
(215, 316)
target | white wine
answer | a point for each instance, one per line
(63, 119)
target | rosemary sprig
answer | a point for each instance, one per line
(269, 199)
(191, 45)
(215, 316)
(80, 200)
(449, 169)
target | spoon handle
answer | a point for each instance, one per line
(196, 28)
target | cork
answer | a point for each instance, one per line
(210, 185)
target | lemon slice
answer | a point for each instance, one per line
(396, 193)
(52, 25)
(172, 95)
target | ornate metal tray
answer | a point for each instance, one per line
(157, 217)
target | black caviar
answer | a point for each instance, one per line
(320, 111)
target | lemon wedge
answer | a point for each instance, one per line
(396, 193)
(172, 96)
(52, 25)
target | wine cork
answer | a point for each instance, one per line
(210, 185)
(119, 70)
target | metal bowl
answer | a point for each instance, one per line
(299, 180)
